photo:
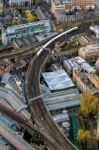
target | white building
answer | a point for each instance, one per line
(24, 30)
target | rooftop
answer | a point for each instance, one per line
(60, 99)
(81, 64)
(12, 29)
(57, 80)
(14, 101)
(61, 2)
(97, 64)
(95, 29)
(91, 48)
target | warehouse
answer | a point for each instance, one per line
(60, 99)
(57, 80)
(72, 63)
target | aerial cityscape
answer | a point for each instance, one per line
(49, 74)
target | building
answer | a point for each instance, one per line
(84, 75)
(57, 80)
(1, 6)
(59, 91)
(66, 5)
(85, 80)
(72, 63)
(97, 64)
(82, 81)
(94, 79)
(60, 9)
(85, 4)
(83, 40)
(22, 43)
(25, 30)
(90, 52)
(95, 29)
(77, 63)
(5, 67)
(13, 101)
(21, 2)
(60, 99)
(61, 6)
(40, 13)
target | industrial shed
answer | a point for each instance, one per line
(57, 80)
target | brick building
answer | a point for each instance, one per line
(1, 6)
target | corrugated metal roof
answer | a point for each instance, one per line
(12, 99)
(57, 80)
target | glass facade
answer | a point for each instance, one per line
(26, 30)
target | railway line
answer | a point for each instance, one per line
(21, 119)
(13, 138)
(39, 111)
(53, 137)
(30, 49)
(24, 51)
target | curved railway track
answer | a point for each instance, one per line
(39, 111)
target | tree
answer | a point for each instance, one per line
(82, 135)
(88, 104)
(16, 21)
(29, 16)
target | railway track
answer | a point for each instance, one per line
(21, 119)
(48, 129)
(13, 138)
(30, 49)
(24, 51)
(38, 109)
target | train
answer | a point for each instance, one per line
(55, 38)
